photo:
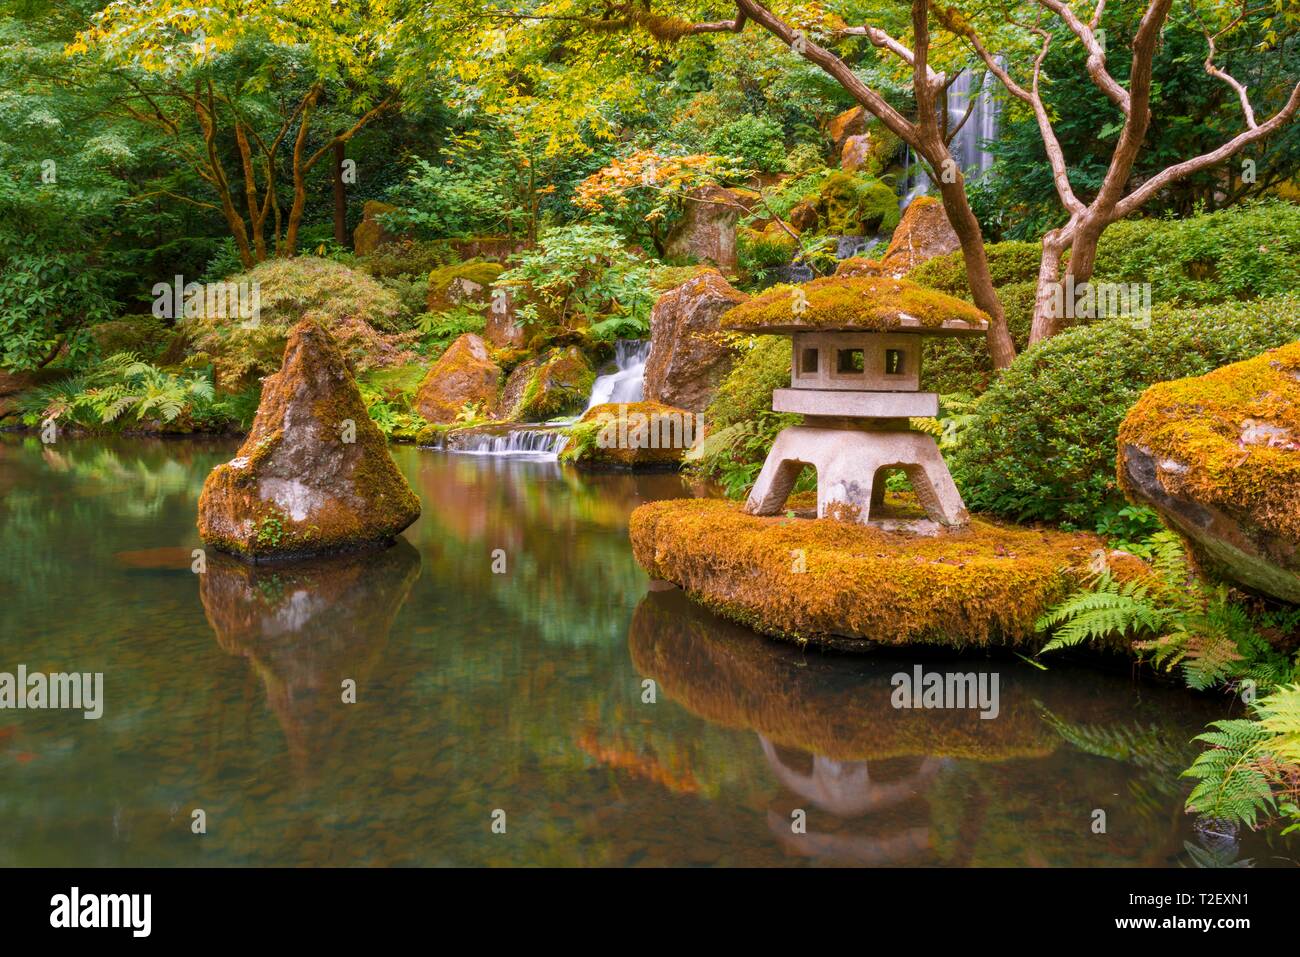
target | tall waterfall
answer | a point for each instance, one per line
(966, 146)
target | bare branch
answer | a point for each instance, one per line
(1096, 53)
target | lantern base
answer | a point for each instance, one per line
(851, 466)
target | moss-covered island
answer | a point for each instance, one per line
(849, 586)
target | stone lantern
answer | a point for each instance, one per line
(855, 378)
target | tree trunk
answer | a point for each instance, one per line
(1047, 314)
(340, 196)
(1002, 349)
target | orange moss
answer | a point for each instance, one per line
(1235, 436)
(855, 302)
(983, 585)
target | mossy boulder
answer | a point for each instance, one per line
(554, 383)
(463, 375)
(1218, 456)
(641, 436)
(853, 204)
(983, 585)
(466, 282)
(689, 356)
(314, 474)
(706, 231)
(923, 233)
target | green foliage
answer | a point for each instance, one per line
(855, 204)
(754, 142)
(1009, 262)
(441, 329)
(581, 273)
(1042, 445)
(122, 385)
(1252, 767)
(1250, 251)
(364, 318)
(440, 201)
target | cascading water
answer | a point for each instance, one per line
(625, 384)
(967, 146)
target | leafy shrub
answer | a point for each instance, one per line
(755, 142)
(581, 273)
(447, 201)
(1009, 262)
(407, 258)
(145, 336)
(1043, 442)
(363, 317)
(1244, 252)
(953, 364)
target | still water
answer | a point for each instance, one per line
(521, 693)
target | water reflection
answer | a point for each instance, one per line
(880, 785)
(305, 629)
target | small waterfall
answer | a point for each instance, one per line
(546, 440)
(627, 382)
(967, 146)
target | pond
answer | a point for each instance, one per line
(547, 687)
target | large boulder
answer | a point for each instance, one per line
(923, 233)
(464, 374)
(554, 383)
(688, 357)
(707, 230)
(1218, 456)
(314, 474)
(856, 153)
(370, 234)
(852, 122)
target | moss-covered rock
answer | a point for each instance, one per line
(853, 204)
(554, 383)
(455, 285)
(1219, 457)
(314, 474)
(370, 233)
(632, 435)
(923, 234)
(870, 303)
(983, 585)
(463, 375)
(688, 354)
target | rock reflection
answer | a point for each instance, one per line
(880, 785)
(305, 628)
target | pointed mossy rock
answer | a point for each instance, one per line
(298, 486)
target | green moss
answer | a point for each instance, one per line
(630, 435)
(765, 248)
(1010, 262)
(475, 270)
(855, 204)
(860, 302)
